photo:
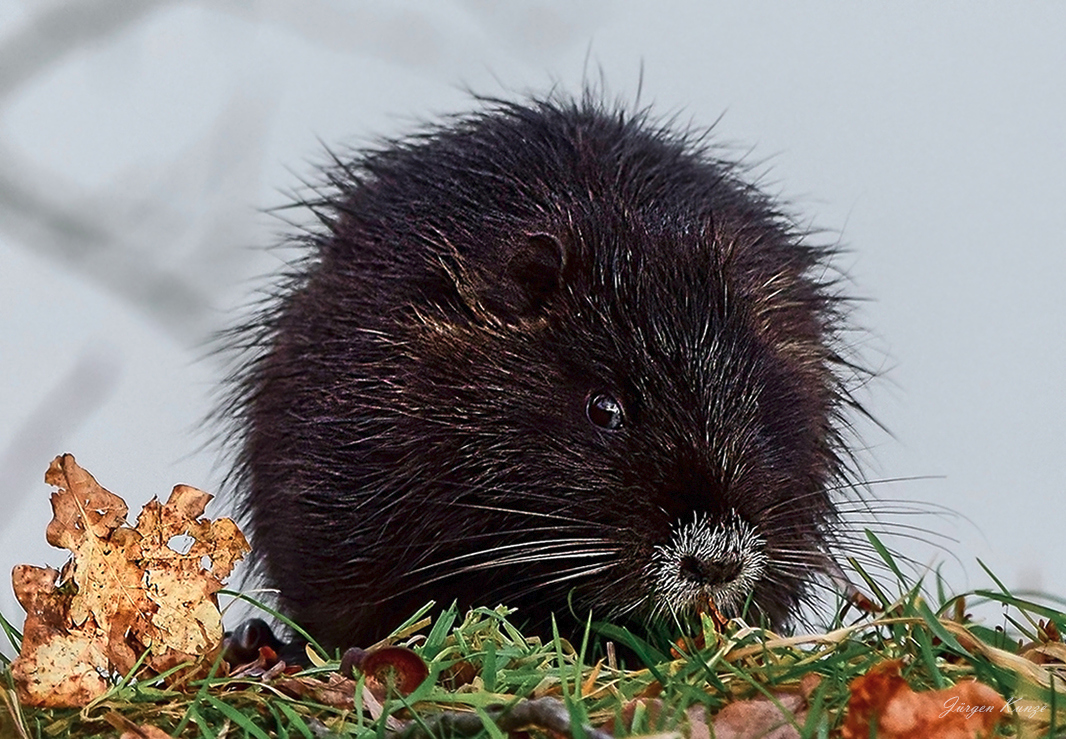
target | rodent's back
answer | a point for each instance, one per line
(549, 352)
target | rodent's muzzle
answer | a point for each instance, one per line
(717, 559)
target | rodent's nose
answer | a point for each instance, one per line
(705, 572)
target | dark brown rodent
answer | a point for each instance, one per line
(549, 354)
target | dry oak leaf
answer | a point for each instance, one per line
(882, 697)
(123, 591)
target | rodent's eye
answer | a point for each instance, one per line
(605, 411)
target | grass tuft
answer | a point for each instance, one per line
(479, 662)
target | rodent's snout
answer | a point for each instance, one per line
(715, 558)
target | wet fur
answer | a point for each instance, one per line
(411, 413)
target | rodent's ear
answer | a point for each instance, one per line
(529, 275)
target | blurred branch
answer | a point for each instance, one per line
(62, 29)
(95, 242)
(45, 213)
(162, 238)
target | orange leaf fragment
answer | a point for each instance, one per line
(882, 698)
(124, 590)
(388, 670)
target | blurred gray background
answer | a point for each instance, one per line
(140, 141)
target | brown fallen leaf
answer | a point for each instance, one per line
(131, 730)
(762, 717)
(335, 690)
(339, 692)
(883, 698)
(1049, 648)
(124, 590)
(755, 718)
(388, 670)
(65, 666)
(145, 732)
(459, 674)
